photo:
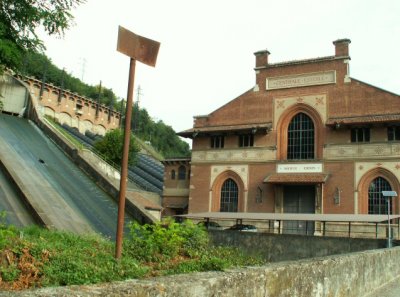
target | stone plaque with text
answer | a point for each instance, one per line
(301, 80)
(299, 168)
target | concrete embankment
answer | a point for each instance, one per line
(27, 167)
(57, 192)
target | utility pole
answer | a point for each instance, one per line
(98, 101)
(83, 68)
(60, 94)
(122, 112)
(136, 109)
(43, 81)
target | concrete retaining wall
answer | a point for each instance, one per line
(138, 212)
(350, 275)
(274, 248)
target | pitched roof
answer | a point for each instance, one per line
(257, 128)
(382, 118)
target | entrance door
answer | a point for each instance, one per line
(298, 199)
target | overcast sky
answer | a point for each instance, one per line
(206, 55)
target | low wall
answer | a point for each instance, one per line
(350, 275)
(274, 247)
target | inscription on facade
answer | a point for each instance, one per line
(301, 80)
(299, 168)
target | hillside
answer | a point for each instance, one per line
(161, 136)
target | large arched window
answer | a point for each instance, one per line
(229, 196)
(377, 203)
(300, 139)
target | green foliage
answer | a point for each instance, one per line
(165, 240)
(19, 21)
(161, 136)
(9, 273)
(6, 232)
(40, 66)
(62, 258)
(34, 256)
(111, 147)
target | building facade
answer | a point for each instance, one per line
(175, 197)
(308, 138)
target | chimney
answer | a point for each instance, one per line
(342, 47)
(262, 58)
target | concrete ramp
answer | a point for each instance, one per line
(49, 206)
(16, 212)
(59, 193)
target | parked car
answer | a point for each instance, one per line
(243, 227)
(210, 225)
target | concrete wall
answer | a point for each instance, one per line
(275, 248)
(138, 212)
(12, 94)
(350, 275)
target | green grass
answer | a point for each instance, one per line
(152, 151)
(36, 257)
(62, 131)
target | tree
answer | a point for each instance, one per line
(19, 20)
(111, 146)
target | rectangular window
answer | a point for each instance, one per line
(246, 140)
(360, 134)
(217, 141)
(393, 133)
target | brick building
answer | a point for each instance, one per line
(308, 138)
(176, 186)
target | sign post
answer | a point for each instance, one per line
(144, 50)
(388, 195)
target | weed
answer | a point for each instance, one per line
(43, 257)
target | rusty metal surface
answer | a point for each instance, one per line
(137, 47)
(291, 216)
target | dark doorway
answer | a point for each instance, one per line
(298, 199)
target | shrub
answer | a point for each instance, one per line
(34, 256)
(165, 240)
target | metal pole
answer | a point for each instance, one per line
(349, 229)
(125, 156)
(398, 228)
(389, 243)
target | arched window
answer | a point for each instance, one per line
(300, 138)
(229, 196)
(377, 203)
(172, 174)
(181, 172)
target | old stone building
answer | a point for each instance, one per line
(307, 138)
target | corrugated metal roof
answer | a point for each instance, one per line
(291, 217)
(296, 178)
